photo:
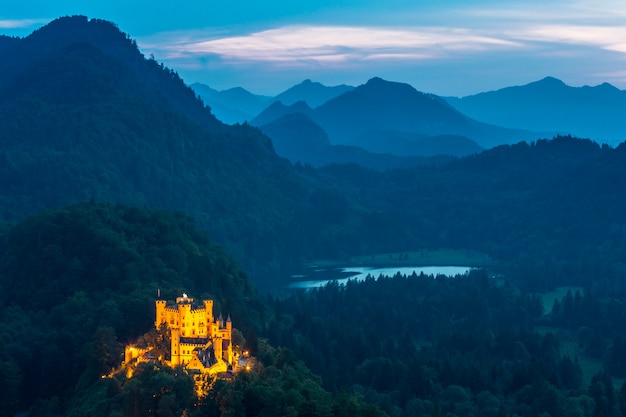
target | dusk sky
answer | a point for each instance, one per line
(446, 47)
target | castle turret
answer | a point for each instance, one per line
(175, 347)
(160, 313)
(229, 337)
(208, 308)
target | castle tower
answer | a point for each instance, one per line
(184, 317)
(229, 337)
(175, 347)
(208, 308)
(160, 313)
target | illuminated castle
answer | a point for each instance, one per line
(199, 342)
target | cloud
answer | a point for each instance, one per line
(336, 44)
(575, 40)
(21, 23)
(604, 11)
(610, 38)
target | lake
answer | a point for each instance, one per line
(323, 276)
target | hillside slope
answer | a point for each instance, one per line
(83, 115)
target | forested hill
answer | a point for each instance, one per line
(83, 115)
(77, 282)
(553, 209)
(78, 60)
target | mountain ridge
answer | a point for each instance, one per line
(389, 117)
(551, 105)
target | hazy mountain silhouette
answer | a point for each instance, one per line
(298, 138)
(551, 105)
(277, 109)
(313, 93)
(235, 105)
(381, 105)
(388, 117)
(397, 142)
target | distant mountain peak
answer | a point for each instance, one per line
(378, 82)
(551, 80)
(607, 87)
(314, 93)
(550, 105)
(545, 84)
(277, 110)
(392, 90)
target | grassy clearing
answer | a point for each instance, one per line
(438, 257)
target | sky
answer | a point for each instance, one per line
(445, 47)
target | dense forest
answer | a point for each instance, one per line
(113, 173)
(78, 282)
(468, 345)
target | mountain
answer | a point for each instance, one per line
(235, 105)
(381, 105)
(84, 116)
(311, 136)
(277, 109)
(312, 93)
(551, 105)
(394, 118)
(298, 138)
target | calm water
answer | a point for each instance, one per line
(341, 275)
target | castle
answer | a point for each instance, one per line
(199, 342)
